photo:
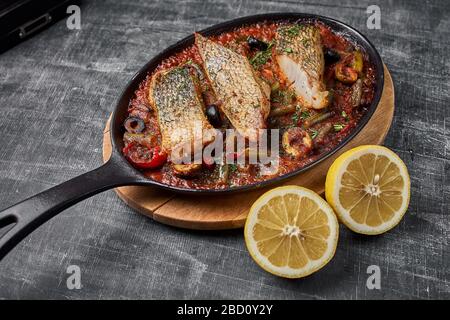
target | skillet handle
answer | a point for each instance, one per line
(23, 218)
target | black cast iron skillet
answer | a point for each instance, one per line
(21, 219)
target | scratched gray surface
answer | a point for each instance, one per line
(58, 89)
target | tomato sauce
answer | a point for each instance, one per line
(349, 103)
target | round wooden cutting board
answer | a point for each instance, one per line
(230, 211)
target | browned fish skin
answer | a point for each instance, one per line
(175, 96)
(244, 98)
(300, 46)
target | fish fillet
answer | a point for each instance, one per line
(300, 57)
(244, 97)
(175, 96)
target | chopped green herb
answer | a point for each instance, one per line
(275, 98)
(275, 87)
(288, 50)
(232, 167)
(338, 127)
(259, 59)
(262, 57)
(295, 118)
(314, 133)
(294, 30)
(305, 115)
(180, 70)
(283, 96)
(345, 115)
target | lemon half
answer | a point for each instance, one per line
(369, 189)
(291, 232)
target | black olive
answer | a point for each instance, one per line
(134, 125)
(254, 43)
(212, 112)
(331, 56)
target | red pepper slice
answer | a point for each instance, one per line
(345, 129)
(142, 157)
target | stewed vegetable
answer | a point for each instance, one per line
(186, 170)
(356, 93)
(134, 125)
(348, 69)
(357, 61)
(144, 158)
(346, 74)
(297, 142)
(282, 110)
(318, 117)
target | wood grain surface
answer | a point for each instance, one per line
(230, 211)
(58, 89)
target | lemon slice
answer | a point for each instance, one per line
(291, 232)
(368, 187)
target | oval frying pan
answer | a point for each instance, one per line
(21, 219)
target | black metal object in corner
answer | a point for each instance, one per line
(21, 19)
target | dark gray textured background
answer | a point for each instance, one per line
(58, 89)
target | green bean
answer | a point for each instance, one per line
(319, 117)
(281, 111)
(224, 173)
(323, 132)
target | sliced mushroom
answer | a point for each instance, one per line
(186, 170)
(296, 142)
